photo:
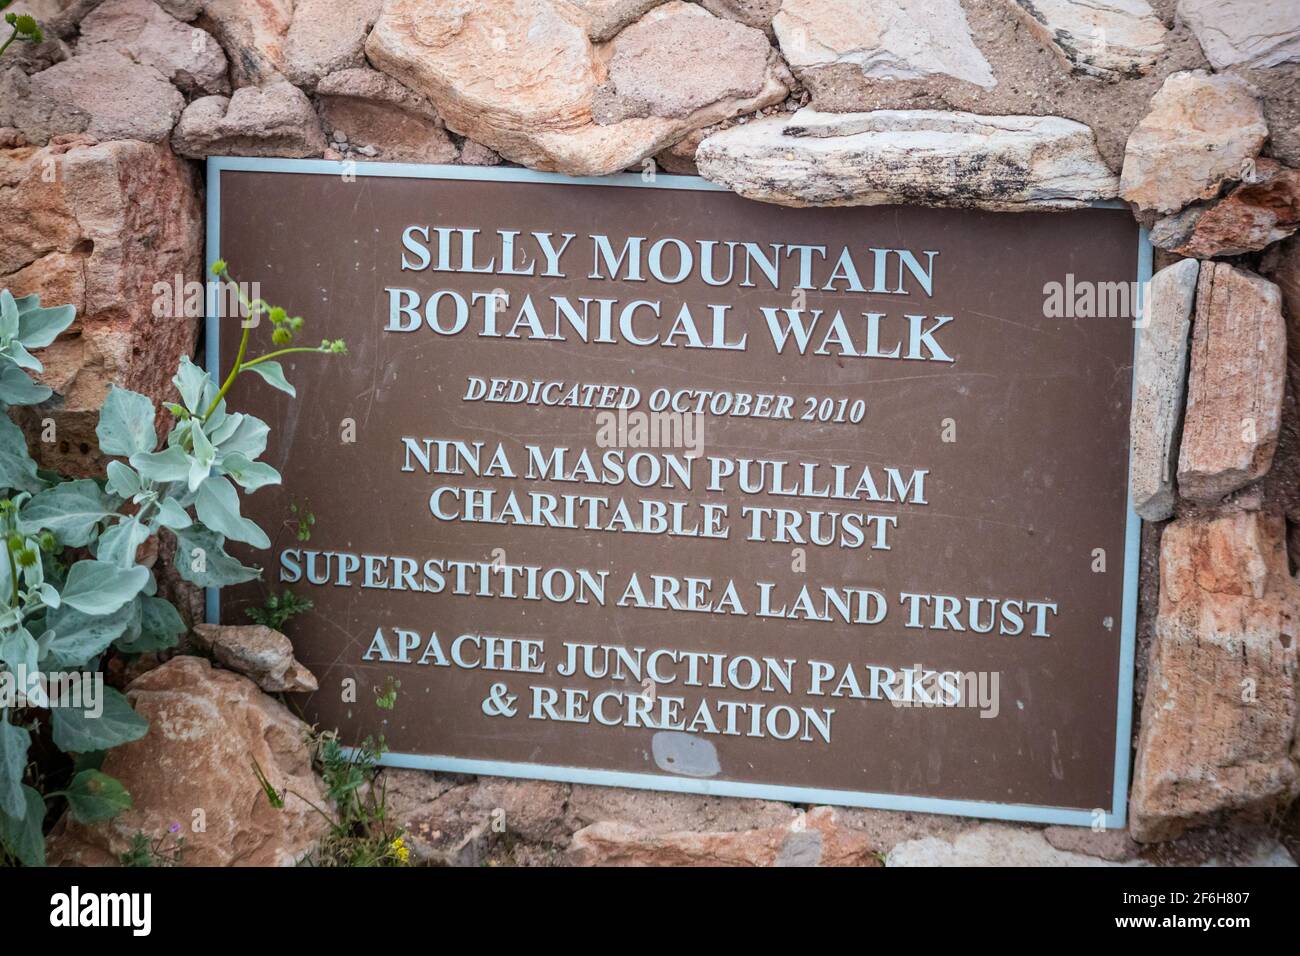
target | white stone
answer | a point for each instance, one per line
(1107, 38)
(925, 157)
(887, 40)
(1250, 32)
(991, 844)
(1159, 382)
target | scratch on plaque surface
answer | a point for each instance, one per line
(685, 754)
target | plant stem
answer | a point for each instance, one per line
(11, 39)
(230, 379)
(271, 355)
(13, 576)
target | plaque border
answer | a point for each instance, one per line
(1112, 818)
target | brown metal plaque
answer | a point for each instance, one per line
(646, 484)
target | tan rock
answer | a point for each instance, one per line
(1202, 130)
(1261, 211)
(262, 654)
(274, 120)
(927, 157)
(1105, 38)
(100, 93)
(140, 30)
(1256, 33)
(326, 36)
(886, 40)
(253, 34)
(521, 77)
(1234, 392)
(112, 222)
(1159, 382)
(607, 17)
(815, 838)
(195, 766)
(1220, 708)
(372, 109)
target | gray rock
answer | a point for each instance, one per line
(752, 13)
(259, 653)
(139, 29)
(101, 93)
(652, 70)
(276, 120)
(992, 844)
(606, 17)
(926, 157)
(326, 36)
(1255, 33)
(380, 117)
(1159, 381)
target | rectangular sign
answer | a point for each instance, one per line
(641, 483)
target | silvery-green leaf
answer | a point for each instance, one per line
(23, 358)
(123, 480)
(70, 510)
(190, 381)
(171, 515)
(119, 544)
(17, 387)
(250, 475)
(49, 595)
(8, 315)
(73, 638)
(273, 375)
(218, 432)
(14, 742)
(126, 423)
(93, 796)
(24, 836)
(248, 439)
(216, 419)
(17, 470)
(38, 327)
(97, 587)
(19, 652)
(201, 559)
(217, 506)
(76, 731)
(170, 464)
(201, 460)
(160, 628)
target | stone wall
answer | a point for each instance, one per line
(1189, 110)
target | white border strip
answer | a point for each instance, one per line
(1113, 820)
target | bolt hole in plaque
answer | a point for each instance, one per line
(649, 485)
